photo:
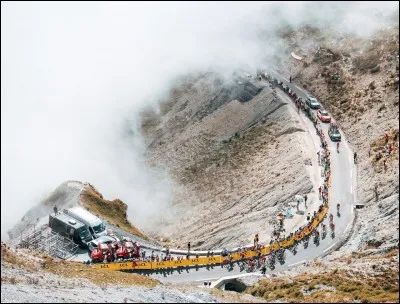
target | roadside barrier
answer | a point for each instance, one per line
(236, 256)
(216, 260)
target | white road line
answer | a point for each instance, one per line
(347, 227)
(352, 209)
(349, 158)
(351, 174)
(206, 279)
(329, 247)
(297, 263)
(351, 189)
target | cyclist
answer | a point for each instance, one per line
(337, 145)
(338, 207)
(323, 228)
(331, 217)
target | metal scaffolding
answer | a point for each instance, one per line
(47, 241)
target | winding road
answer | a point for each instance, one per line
(343, 185)
(342, 190)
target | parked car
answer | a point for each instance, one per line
(312, 102)
(106, 239)
(323, 115)
(102, 252)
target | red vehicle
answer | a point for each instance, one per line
(323, 115)
(130, 248)
(122, 253)
(136, 250)
(100, 253)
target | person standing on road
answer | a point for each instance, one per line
(319, 157)
(305, 200)
(55, 210)
(263, 270)
(290, 79)
(355, 157)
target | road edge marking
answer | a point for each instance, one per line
(329, 247)
(297, 263)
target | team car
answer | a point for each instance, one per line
(101, 252)
(323, 115)
(334, 133)
(106, 239)
(312, 102)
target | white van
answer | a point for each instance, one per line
(95, 225)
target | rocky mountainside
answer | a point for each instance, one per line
(357, 79)
(236, 162)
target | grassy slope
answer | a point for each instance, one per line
(34, 261)
(113, 211)
(338, 286)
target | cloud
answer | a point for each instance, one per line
(73, 73)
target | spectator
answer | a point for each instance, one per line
(263, 270)
(188, 246)
(386, 138)
(308, 217)
(55, 210)
(256, 239)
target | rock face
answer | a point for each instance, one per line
(235, 164)
(357, 80)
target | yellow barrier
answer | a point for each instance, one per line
(136, 265)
